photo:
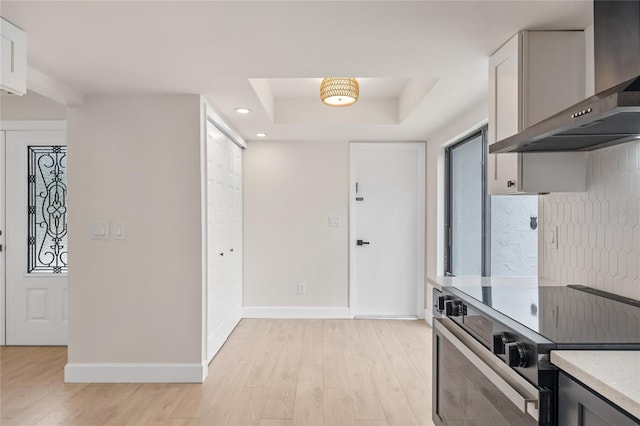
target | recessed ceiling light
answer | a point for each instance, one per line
(243, 110)
(261, 135)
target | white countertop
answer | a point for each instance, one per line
(613, 374)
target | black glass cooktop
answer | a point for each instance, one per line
(566, 315)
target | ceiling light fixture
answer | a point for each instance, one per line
(243, 110)
(261, 135)
(339, 91)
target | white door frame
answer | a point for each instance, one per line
(420, 147)
(6, 126)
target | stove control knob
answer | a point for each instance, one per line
(458, 308)
(453, 308)
(441, 302)
(516, 355)
(448, 307)
(500, 340)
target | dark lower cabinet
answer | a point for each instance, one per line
(580, 406)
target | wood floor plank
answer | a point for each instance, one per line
(371, 423)
(312, 343)
(96, 402)
(420, 402)
(337, 408)
(395, 405)
(143, 395)
(394, 402)
(282, 393)
(255, 339)
(221, 406)
(276, 422)
(268, 373)
(160, 408)
(364, 396)
(423, 331)
(309, 409)
(197, 396)
(194, 398)
(394, 344)
(334, 365)
(268, 354)
(404, 332)
(248, 410)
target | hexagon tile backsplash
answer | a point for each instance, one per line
(598, 230)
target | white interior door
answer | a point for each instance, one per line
(36, 238)
(234, 237)
(387, 229)
(224, 238)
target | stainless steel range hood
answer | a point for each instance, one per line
(611, 116)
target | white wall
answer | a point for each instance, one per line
(290, 190)
(599, 230)
(135, 159)
(31, 106)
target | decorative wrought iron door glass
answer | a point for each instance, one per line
(47, 209)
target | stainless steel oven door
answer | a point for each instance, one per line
(473, 386)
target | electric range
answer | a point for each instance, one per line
(506, 334)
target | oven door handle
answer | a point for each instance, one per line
(519, 391)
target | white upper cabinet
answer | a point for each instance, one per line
(533, 76)
(13, 58)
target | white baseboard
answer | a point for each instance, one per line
(134, 373)
(296, 312)
(428, 316)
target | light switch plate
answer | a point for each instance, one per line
(334, 221)
(99, 231)
(551, 238)
(118, 231)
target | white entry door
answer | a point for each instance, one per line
(36, 237)
(387, 229)
(224, 238)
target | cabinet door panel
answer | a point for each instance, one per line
(504, 92)
(533, 76)
(505, 179)
(13, 54)
(553, 67)
(504, 114)
(579, 406)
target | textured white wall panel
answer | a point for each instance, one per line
(514, 245)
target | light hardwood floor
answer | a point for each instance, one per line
(270, 373)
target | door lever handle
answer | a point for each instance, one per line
(361, 243)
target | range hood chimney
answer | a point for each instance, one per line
(611, 116)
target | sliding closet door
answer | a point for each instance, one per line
(224, 238)
(234, 234)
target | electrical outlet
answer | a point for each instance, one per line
(301, 289)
